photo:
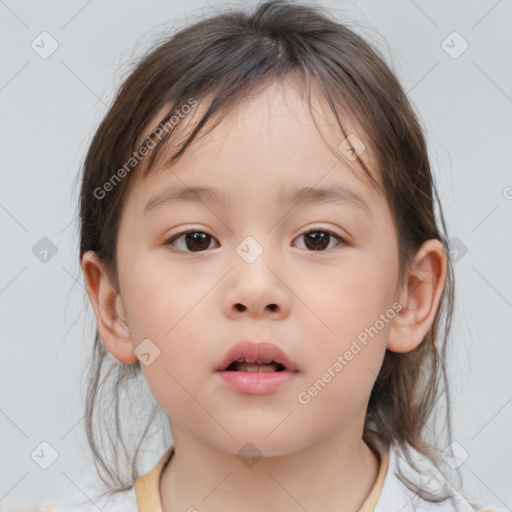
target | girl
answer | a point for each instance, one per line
(259, 243)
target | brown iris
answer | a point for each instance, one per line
(319, 240)
(197, 240)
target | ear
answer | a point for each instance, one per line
(420, 296)
(108, 309)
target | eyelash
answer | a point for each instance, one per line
(177, 236)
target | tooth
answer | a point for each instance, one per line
(244, 367)
(270, 368)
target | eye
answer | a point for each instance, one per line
(319, 239)
(194, 241)
(199, 241)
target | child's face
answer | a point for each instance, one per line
(188, 303)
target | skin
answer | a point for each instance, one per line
(312, 456)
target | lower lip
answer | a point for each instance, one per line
(256, 383)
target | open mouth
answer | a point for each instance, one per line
(263, 358)
(256, 368)
(241, 365)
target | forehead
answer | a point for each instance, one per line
(271, 128)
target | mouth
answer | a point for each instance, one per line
(248, 356)
(242, 365)
(256, 368)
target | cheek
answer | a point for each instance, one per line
(168, 310)
(163, 299)
(342, 370)
(351, 297)
(353, 317)
(180, 369)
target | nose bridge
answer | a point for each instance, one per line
(255, 258)
(254, 285)
(252, 247)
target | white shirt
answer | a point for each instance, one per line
(396, 496)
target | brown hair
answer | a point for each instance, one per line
(222, 59)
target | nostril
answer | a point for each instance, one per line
(241, 307)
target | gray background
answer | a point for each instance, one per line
(49, 110)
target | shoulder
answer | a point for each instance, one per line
(396, 495)
(125, 501)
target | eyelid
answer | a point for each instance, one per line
(184, 230)
(321, 228)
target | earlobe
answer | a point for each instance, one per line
(420, 298)
(108, 309)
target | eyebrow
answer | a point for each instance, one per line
(334, 193)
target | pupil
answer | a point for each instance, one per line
(197, 238)
(318, 237)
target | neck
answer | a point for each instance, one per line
(335, 473)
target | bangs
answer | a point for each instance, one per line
(169, 138)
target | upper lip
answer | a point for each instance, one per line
(254, 351)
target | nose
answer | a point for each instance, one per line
(257, 289)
